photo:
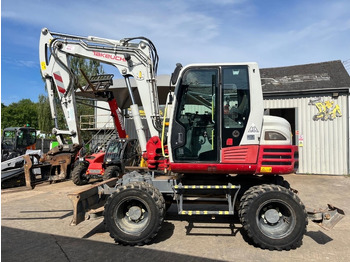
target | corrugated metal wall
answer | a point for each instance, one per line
(323, 145)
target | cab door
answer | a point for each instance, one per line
(195, 129)
(235, 104)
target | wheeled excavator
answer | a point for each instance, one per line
(213, 147)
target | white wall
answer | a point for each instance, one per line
(103, 118)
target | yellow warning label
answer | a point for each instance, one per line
(266, 169)
(43, 66)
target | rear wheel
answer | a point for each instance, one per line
(134, 213)
(112, 171)
(78, 174)
(273, 217)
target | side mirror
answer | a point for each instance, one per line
(176, 73)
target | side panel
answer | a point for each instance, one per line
(275, 159)
(267, 160)
(210, 168)
(240, 154)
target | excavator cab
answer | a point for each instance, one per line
(204, 127)
(213, 113)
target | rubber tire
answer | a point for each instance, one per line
(77, 175)
(112, 171)
(281, 235)
(121, 227)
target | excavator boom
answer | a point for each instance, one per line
(138, 60)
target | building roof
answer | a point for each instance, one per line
(318, 78)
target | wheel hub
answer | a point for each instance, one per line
(272, 216)
(134, 213)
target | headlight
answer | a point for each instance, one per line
(272, 135)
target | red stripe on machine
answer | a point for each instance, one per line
(61, 90)
(57, 77)
(59, 83)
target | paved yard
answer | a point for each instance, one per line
(35, 227)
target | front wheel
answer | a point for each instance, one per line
(79, 174)
(134, 213)
(273, 217)
(112, 171)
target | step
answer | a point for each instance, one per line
(177, 187)
(205, 212)
(184, 193)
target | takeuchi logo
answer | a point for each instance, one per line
(109, 56)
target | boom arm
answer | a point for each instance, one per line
(138, 60)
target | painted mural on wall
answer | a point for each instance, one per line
(327, 110)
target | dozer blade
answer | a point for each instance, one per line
(88, 201)
(328, 218)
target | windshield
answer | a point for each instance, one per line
(26, 138)
(8, 139)
(198, 94)
(114, 150)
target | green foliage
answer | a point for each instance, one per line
(45, 122)
(90, 68)
(21, 113)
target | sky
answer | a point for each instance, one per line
(273, 33)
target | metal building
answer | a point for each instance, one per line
(314, 98)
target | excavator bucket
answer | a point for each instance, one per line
(327, 218)
(88, 201)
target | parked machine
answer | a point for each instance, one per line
(213, 144)
(15, 143)
(16, 140)
(92, 166)
(120, 153)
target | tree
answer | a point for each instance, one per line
(45, 122)
(90, 68)
(21, 113)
